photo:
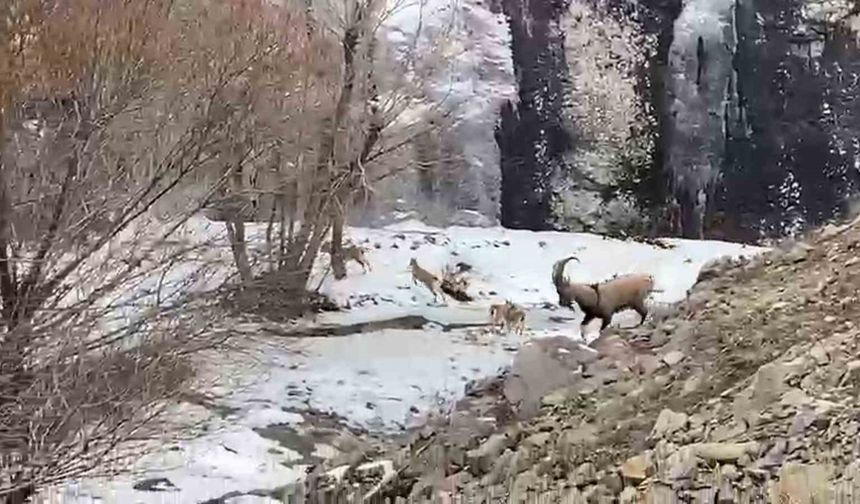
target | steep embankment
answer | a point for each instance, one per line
(748, 391)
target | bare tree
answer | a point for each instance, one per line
(109, 110)
(322, 136)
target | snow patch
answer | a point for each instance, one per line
(389, 379)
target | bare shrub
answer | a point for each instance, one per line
(108, 109)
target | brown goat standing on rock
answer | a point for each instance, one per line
(605, 299)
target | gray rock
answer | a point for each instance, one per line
(767, 386)
(481, 459)
(673, 358)
(572, 495)
(727, 494)
(829, 231)
(628, 496)
(774, 457)
(668, 422)
(795, 398)
(597, 494)
(348, 459)
(798, 253)
(698, 299)
(704, 494)
(729, 471)
(691, 384)
(545, 466)
(694, 434)
(585, 474)
(539, 369)
(612, 481)
(713, 268)
(585, 435)
(154, 485)
(697, 421)
(819, 354)
(523, 483)
(659, 338)
(803, 484)
(556, 398)
(682, 464)
(802, 420)
(501, 469)
(730, 430)
(538, 441)
(523, 459)
(725, 451)
(470, 218)
(647, 364)
(657, 492)
(636, 468)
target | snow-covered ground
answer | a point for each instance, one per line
(388, 379)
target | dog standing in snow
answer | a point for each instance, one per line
(351, 253)
(429, 280)
(509, 316)
(498, 313)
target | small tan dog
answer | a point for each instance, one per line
(508, 316)
(429, 280)
(351, 253)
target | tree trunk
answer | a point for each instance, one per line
(236, 226)
(691, 216)
(324, 200)
(338, 265)
(270, 229)
(236, 234)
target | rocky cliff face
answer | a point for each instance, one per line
(791, 160)
(698, 86)
(749, 115)
(532, 135)
(728, 119)
(456, 56)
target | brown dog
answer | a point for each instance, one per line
(429, 280)
(351, 253)
(507, 315)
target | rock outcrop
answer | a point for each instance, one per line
(746, 394)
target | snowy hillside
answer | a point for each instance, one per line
(511, 264)
(389, 379)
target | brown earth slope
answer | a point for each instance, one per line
(746, 392)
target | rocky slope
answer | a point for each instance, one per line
(744, 392)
